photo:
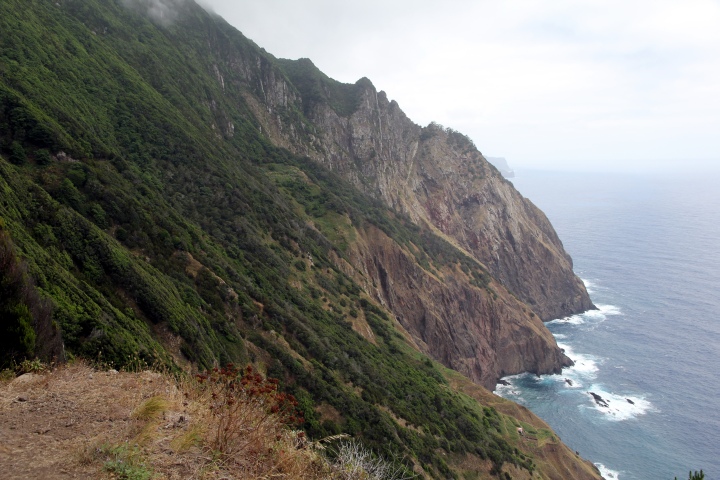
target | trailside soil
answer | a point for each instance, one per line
(54, 426)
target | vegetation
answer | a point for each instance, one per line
(146, 217)
(316, 88)
(695, 475)
(172, 433)
(27, 329)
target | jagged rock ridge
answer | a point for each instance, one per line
(438, 178)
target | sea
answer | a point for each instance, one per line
(647, 247)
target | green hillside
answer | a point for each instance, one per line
(146, 211)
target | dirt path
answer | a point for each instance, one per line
(55, 426)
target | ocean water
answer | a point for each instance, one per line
(648, 249)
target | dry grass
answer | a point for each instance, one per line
(106, 424)
(151, 409)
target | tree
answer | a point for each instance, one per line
(26, 325)
(42, 157)
(695, 475)
(17, 153)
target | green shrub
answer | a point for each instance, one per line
(42, 157)
(17, 153)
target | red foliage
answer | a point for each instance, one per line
(244, 402)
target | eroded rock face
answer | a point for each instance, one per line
(480, 334)
(439, 179)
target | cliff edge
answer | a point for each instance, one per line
(438, 179)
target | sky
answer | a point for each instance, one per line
(566, 84)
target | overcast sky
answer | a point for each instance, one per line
(619, 84)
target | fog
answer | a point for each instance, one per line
(599, 84)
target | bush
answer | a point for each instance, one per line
(42, 157)
(247, 408)
(17, 153)
(695, 475)
(354, 462)
(26, 326)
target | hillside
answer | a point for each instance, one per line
(94, 423)
(172, 194)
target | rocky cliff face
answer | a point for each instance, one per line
(484, 333)
(438, 178)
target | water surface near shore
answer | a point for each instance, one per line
(648, 249)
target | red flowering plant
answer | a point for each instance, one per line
(246, 408)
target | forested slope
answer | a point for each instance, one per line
(151, 217)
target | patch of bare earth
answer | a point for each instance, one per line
(57, 425)
(77, 422)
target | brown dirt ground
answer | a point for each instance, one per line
(55, 426)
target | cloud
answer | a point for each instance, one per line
(532, 80)
(164, 12)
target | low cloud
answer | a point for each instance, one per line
(163, 12)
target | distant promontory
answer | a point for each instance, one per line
(501, 164)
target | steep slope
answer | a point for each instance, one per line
(438, 178)
(91, 423)
(139, 186)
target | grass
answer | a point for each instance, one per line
(151, 409)
(125, 461)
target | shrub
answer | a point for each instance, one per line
(26, 325)
(17, 153)
(695, 475)
(354, 462)
(246, 408)
(124, 462)
(42, 157)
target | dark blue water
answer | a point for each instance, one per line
(648, 248)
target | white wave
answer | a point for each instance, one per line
(584, 370)
(589, 286)
(606, 473)
(619, 407)
(559, 336)
(504, 389)
(572, 320)
(592, 316)
(609, 309)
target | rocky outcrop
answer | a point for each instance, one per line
(502, 165)
(439, 179)
(484, 333)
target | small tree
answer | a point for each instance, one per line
(17, 153)
(42, 157)
(695, 475)
(26, 325)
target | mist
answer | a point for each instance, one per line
(609, 85)
(163, 12)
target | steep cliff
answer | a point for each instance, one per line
(440, 180)
(182, 197)
(436, 176)
(482, 332)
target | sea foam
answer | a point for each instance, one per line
(589, 286)
(571, 320)
(583, 371)
(608, 310)
(589, 317)
(606, 473)
(619, 407)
